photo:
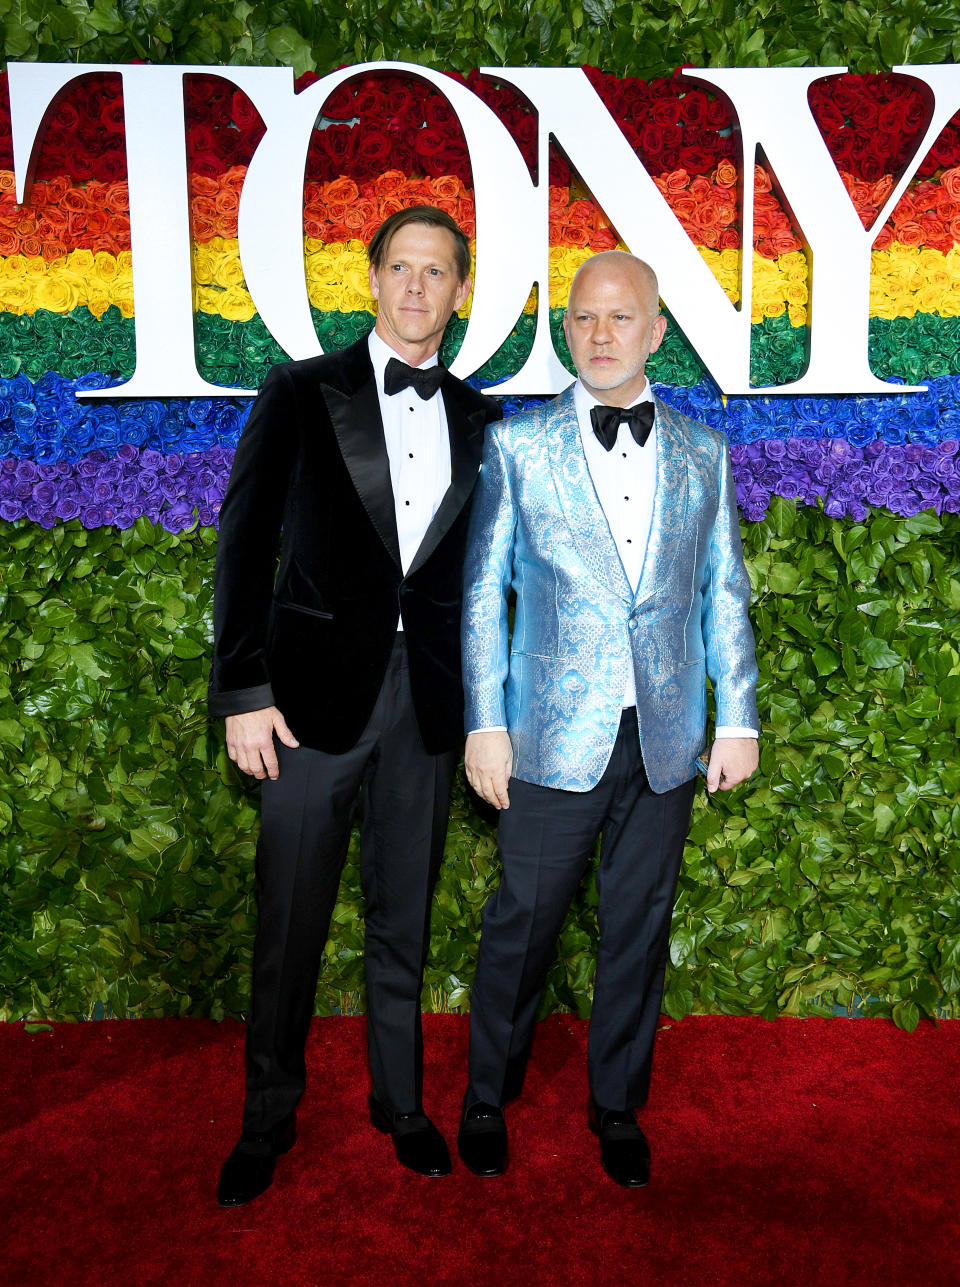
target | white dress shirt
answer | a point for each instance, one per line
(625, 480)
(418, 447)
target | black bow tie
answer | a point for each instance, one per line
(606, 422)
(425, 380)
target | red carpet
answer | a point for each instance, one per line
(802, 1152)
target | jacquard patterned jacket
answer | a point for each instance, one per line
(557, 685)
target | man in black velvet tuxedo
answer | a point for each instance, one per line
(337, 667)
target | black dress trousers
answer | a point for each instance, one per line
(307, 812)
(546, 839)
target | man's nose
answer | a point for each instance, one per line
(415, 284)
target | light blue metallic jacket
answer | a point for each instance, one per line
(558, 685)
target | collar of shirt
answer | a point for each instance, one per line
(380, 355)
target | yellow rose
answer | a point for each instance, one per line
(203, 264)
(105, 266)
(14, 266)
(57, 294)
(323, 296)
(16, 296)
(98, 305)
(236, 304)
(206, 299)
(928, 297)
(80, 262)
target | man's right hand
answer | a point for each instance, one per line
(488, 759)
(250, 741)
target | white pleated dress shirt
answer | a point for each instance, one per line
(625, 480)
(418, 448)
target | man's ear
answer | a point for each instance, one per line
(374, 283)
(659, 329)
(463, 290)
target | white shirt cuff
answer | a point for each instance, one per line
(731, 730)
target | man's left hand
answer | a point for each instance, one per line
(732, 760)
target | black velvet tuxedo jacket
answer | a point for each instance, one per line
(312, 635)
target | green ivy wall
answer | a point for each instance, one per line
(126, 838)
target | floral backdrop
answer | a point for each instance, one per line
(831, 883)
(67, 299)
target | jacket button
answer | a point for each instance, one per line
(632, 623)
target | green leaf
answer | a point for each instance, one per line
(877, 653)
(289, 47)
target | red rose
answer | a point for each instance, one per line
(698, 160)
(665, 111)
(112, 167)
(693, 107)
(374, 149)
(718, 114)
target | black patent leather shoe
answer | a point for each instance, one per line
(482, 1139)
(248, 1171)
(418, 1144)
(624, 1151)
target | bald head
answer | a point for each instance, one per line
(618, 265)
(613, 324)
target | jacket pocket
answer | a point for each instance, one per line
(307, 612)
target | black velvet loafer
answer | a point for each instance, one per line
(418, 1144)
(482, 1139)
(624, 1151)
(248, 1171)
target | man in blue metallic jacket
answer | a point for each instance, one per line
(613, 519)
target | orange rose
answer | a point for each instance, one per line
(684, 208)
(234, 177)
(389, 182)
(75, 199)
(8, 182)
(726, 174)
(700, 188)
(341, 191)
(202, 186)
(909, 233)
(368, 229)
(447, 186)
(950, 179)
(227, 224)
(116, 198)
(885, 238)
(387, 206)
(785, 243)
(53, 249)
(761, 180)
(881, 190)
(729, 239)
(603, 239)
(708, 237)
(676, 181)
(450, 206)
(559, 200)
(9, 241)
(574, 235)
(228, 201)
(203, 226)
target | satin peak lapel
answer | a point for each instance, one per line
(669, 503)
(579, 501)
(355, 416)
(465, 431)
